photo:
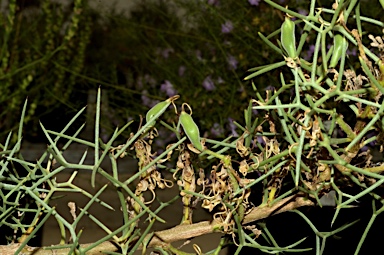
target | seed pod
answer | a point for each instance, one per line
(288, 39)
(159, 109)
(339, 44)
(191, 129)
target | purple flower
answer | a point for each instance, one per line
(220, 80)
(208, 83)
(150, 80)
(104, 135)
(165, 136)
(198, 55)
(292, 91)
(129, 119)
(227, 43)
(168, 88)
(352, 52)
(213, 2)
(139, 82)
(165, 52)
(147, 101)
(260, 140)
(302, 11)
(369, 135)
(308, 54)
(116, 122)
(146, 80)
(270, 87)
(227, 27)
(182, 70)
(217, 130)
(254, 2)
(232, 62)
(232, 127)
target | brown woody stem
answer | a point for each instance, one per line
(182, 232)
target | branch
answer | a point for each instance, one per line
(181, 232)
(286, 204)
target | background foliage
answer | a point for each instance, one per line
(197, 49)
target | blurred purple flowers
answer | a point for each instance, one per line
(220, 80)
(168, 88)
(232, 128)
(145, 81)
(165, 52)
(260, 140)
(198, 55)
(213, 2)
(302, 11)
(227, 27)
(308, 54)
(182, 70)
(208, 83)
(352, 52)
(232, 62)
(165, 137)
(254, 2)
(217, 130)
(148, 101)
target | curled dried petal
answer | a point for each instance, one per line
(153, 197)
(142, 185)
(244, 167)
